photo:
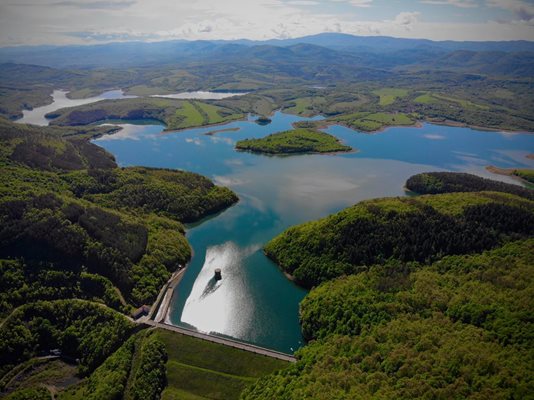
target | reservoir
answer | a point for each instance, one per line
(60, 100)
(200, 95)
(254, 302)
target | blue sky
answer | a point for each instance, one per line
(97, 21)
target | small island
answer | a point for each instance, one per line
(294, 142)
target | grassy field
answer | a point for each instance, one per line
(425, 98)
(299, 140)
(306, 106)
(370, 122)
(389, 95)
(186, 116)
(83, 93)
(197, 369)
(176, 114)
(436, 98)
(301, 106)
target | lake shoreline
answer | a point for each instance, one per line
(507, 172)
(254, 299)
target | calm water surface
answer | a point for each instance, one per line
(60, 100)
(201, 95)
(254, 302)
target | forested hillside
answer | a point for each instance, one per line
(81, 239)
(411, 306)
(448, 182)
(175, 114)
(68, 214)
(294, 141)
(421, 229)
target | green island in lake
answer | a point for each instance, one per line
(298, 140)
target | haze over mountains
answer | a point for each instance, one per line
(514, 58)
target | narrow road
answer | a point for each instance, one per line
(163, 309)
(223, 341)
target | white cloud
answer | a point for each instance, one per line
(433, 136)
(89, 21)
(522, 9)
(303, 3)
(406, 19)
(361, 3)
(455, 3)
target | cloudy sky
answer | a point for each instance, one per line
(95, 21)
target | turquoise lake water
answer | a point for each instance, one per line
(254, 302)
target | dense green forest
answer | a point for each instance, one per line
(459, 328)
(421, 229)
(448, 182)
(81, 242)
(446, 321)
(70, 215)
(136, 371)
(298, 140)
(412, 298)
(80, 329)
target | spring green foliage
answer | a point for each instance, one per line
(147, 376)
(81, 329)
(29, 394)
(419, 323)
(135, 371)
(389, 95)
(459, 328)
(306, 106)
(108, 381)
(22, 283)
(435, 98)
(179, 195)
(53, 149)
(482, 290)
(74, 226)
(175, 114)
(369, 122)
(447, 182)
(407, 358)
(421, 229)
(298, 140)
(122, 224)
(526, 174)
(476, 89)
(197, 369)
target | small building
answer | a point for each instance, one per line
(141, 311)
(218, 275)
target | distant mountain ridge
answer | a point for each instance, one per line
(507, 58)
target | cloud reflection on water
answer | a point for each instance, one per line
(212, 304)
